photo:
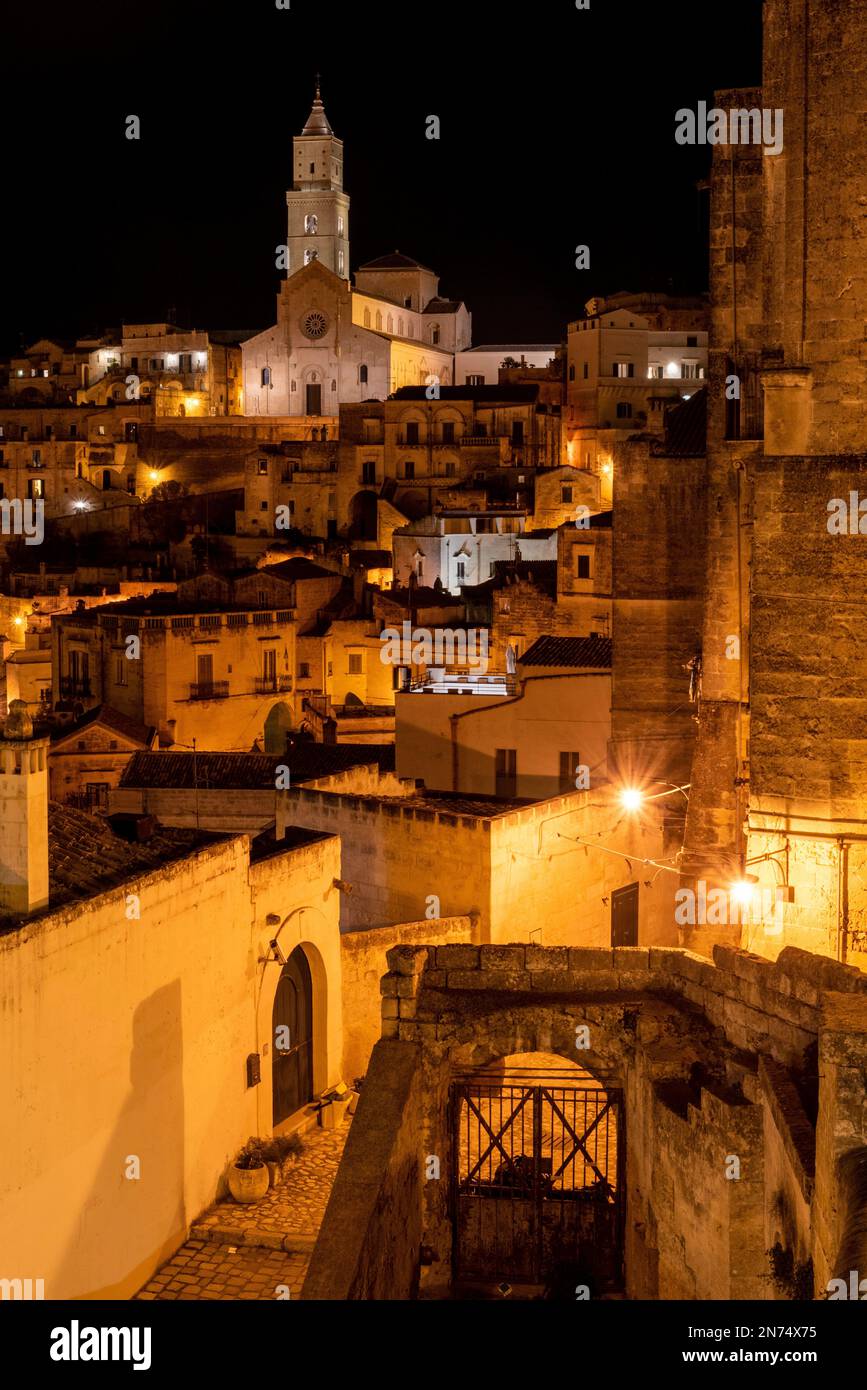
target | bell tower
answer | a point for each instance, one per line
(318, 208)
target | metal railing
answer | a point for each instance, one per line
(74, 686)
(209, 690)
(272, 685)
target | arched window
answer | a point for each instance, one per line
(340, 226)
(362, 374)
(390, 324)
(624, 410)
(311, 223)
(340, 263)
(435, 334)
(400, 328)
(378, 321)
(310, 254)
(367, 318)
(266, 376)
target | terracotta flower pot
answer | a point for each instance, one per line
(248, 1184)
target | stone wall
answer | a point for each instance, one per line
(369, 1243)
(364, 963)
(715, 1061)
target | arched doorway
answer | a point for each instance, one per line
(363, 517)
(292, 1038)
(538, 1158)
(278, 726)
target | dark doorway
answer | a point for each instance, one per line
(363, 515)
(624, 916)
(314, 400)
(292, 1038)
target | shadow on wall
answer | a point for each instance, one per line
(128, 1225)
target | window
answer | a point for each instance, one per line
(355, 663)
(654, 371)
(506, 774)
(262, 467)
(310, 254)
(266, 376)
(362, 374)
(689, 370)
(378, 321)
(330, 667)
(120, 670)
(582, 566)
(368, 471)
(565, 494)
(130, 484)
(340, 226)
(586, 370)
(407, 301)
(450, 469)
(435, 335)
(409, 468)
(449, 432)
(476, 380)
(313, 168)
(311, 223)
(304, 670)
(269, 666)
(517, 431)
(341, 263)
(623, 369)
(36, 458)
(412, 432)
(97, 795)
(390, 324)
(572, 371)
(35, 487)
(569, 765)
(460, 570)
(73, 431)
(692, 340)
(624, 410)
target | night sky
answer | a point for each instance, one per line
(557, 129)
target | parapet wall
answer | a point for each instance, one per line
(767, 1007)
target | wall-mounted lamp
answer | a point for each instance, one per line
(341, 885)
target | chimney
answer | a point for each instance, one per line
(23, 814)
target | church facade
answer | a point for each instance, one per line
(335, 343)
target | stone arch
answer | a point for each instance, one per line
(363, 516)
(278, 725)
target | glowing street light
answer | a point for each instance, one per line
(742, 890)
(631, 798)
(154, 476)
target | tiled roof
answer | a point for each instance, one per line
(395, 261)
(109, 718)
(442, 306)
(299, 567)
(685, 429)
(250, 771)
(588, 652)
(86, 857)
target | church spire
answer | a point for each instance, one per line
(317, 121)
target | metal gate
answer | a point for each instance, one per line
(537, 1181)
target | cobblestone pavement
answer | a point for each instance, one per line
(261, 1249)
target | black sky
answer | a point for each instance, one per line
(557, 129)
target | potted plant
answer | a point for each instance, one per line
(248, 1177)
(279, 1153)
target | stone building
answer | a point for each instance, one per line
(220, 673)
(333, 343)
(179, 372)
(164, 939)
(627, 358)
(778, 779)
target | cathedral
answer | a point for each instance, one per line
(333, 343)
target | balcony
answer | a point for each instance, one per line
(273, 685)
(74, 687)
(209, 690)
(480, 441)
